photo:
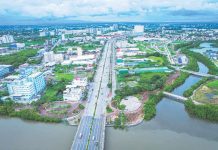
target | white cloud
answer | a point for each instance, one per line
(88, 8)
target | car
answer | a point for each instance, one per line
(80, 135)
(93, 138)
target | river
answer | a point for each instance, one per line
(172, 128)
(203, 47)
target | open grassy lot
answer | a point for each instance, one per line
(64, 76)
(158, 60)
(54, 92)
(143, 79)
(213, 84)
(34, 41)
(85, 46)
(18, 58)
(144, 46)
(207, 93)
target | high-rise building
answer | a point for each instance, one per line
(42, 33)
(79, 51)
(38, 81)
(138, 29)
(63, 37)
(5, 69)
(21, 90)
(25, 89)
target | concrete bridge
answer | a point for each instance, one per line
(197, 73)
(200, 74)
(176, 97)
(179, 98)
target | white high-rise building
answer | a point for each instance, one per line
(79, 51)
(25, 89)
(138, 29)
(42, 33)
(63, 37)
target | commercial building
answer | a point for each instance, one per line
(80, 82)
(63, 37)
(5, 70)
(26, 89)
(75, 91)
(182, 60)
(72, 93)
(124, 44)
(17, 45)
(25, 71)
(138, 29)
(7, 39)
(121, 52)
(21, 90)
(50, 57)
(83, 59)
(38, 80)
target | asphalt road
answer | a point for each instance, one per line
(90, 133)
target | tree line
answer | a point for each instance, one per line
(189, 92)
(18, 58)
(207, 111)
(203, 59)
(8, 109)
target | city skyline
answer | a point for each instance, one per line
(56, 11)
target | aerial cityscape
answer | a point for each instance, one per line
(109, 75)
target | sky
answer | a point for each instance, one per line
(70, 11)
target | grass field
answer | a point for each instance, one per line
(64, 76)
(54, 92)
(213, 84)
(207, 93)
(18, 58)
(143, 47)
(159, 60)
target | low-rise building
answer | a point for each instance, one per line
(80, 82)
(182, 60)
(50, 57)
(7, 39)
(72, 93)
(75, 91)
(17, 46)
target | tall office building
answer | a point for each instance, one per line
(138, 29)
(79, 51)
(38, 81)
(63, 37)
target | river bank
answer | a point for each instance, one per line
(171, 124)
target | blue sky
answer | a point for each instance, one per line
(57, 11)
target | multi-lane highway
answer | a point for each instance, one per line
(91, 130)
